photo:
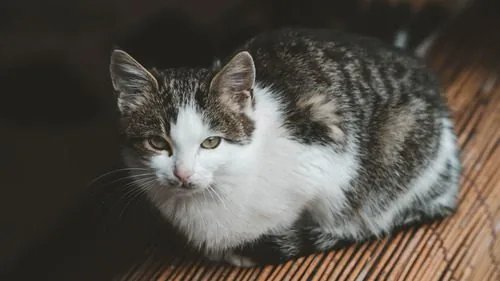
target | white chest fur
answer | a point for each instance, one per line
(264, 189)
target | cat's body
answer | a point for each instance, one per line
(308, 138)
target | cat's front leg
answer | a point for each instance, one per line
(302, 238)
(290, 244)
(238, 260)
(268, 249)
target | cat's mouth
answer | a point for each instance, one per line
(174, 188)
(185, 189)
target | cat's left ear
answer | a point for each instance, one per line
(131, 80)
(235, 82)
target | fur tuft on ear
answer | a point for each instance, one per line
(130, 80)
(235, 81)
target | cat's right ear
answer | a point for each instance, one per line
(234, 83)
(131, 80)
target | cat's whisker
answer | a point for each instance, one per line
(96, 179)
(142, 176)
(142, 181)
(131, 177)
(210, 193)
(139, 187)
(129, 202)
(135, 186)
(128, 196)
(147, 185)
(212, 189)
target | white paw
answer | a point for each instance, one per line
(239, 261)
(215, 257)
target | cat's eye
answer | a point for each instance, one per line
(211, 142)
(158, 143)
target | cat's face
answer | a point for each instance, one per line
(182, 128)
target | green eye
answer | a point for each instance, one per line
(211, 142)
(158, 143)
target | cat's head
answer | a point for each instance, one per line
(182, 128)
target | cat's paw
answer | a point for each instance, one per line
(239, 260)
(215, 257)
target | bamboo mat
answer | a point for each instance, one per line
(464, 246)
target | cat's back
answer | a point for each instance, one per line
(299, 41)
(301, 52)
(333, 84)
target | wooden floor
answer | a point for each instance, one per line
(463, 247)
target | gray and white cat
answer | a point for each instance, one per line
(300, 141)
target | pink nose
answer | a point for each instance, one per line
(182, 175)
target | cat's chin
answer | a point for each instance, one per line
(183, 191)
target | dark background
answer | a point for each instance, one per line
(57, 111)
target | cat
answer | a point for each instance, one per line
(298, 142)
